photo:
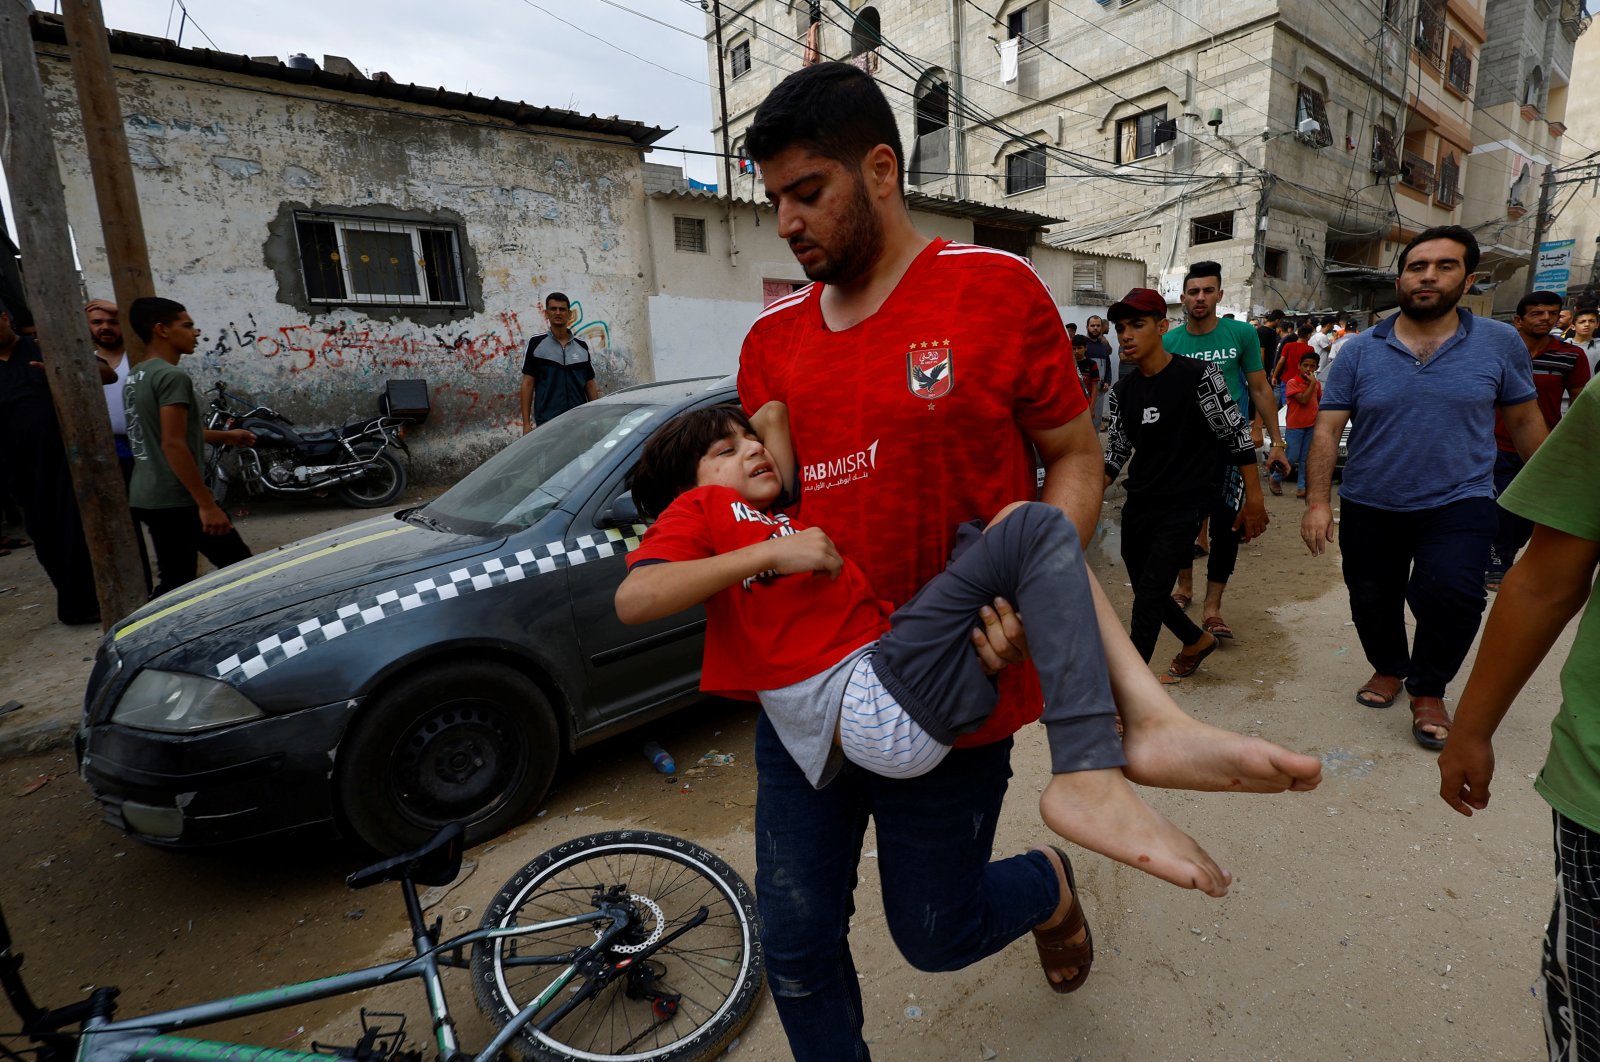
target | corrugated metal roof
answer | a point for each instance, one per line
(49, 29)
(954, 208)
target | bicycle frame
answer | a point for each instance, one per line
(146, 1037)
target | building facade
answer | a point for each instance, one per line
(330, 231)
(1298, 143)
(717, 262)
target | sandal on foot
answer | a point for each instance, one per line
(1428, 711)
(1276, 487)
(1215, 625)
(14, 543)
(1056, 947)
(1182, 600)
(1183, 665)
(1380, 691)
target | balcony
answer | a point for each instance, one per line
(1416, 172)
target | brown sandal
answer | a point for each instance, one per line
(1056, 947)
(1382, 689)
(1183, 665)
(1429, 711)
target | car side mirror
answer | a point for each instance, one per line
(621, 512)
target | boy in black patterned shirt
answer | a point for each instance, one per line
(1175, 418)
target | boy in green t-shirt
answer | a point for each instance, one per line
(167, 493)
(1235, 349)
(1547, 586)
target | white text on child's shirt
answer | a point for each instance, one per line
(779, 522)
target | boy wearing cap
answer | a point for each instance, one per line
(1176, 415)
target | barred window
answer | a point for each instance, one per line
(1213, 228)
(739, 58)
(689, 235)
(379, 262)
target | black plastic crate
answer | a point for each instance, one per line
(407, 399)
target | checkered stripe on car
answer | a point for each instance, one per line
(498, 571)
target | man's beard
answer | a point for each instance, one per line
(857, 243)
(106, 342)
(1446, 303)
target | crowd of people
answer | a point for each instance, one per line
(879, 618)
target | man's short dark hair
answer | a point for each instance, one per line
(557, 296)
(152, 310)
(833, 109)
(1203, 269)
(1273, 315)
(1459, 233)
(1586, 311)
(1072, 328)
(1304, 331)
(1537, 298)
(671, 458)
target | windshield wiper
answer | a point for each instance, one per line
(421, 519)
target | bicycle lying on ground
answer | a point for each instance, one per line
(618, 945)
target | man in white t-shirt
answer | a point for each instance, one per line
(1322, 339)
(105, 328)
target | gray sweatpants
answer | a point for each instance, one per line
(1033, 559)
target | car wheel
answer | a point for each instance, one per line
(471, 742)
(379, 487)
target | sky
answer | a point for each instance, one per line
(570, 54)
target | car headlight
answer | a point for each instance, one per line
(179, 703)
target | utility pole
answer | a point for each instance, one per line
(52, 286)
(1546, 200)
(727, 150)
(121, 223)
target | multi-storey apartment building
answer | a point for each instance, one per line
(1524, 82)
(1297, 142)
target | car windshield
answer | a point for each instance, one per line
(534, 475)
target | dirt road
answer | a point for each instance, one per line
(1368, 920)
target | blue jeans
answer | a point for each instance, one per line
(946, 904)
(1297, 447)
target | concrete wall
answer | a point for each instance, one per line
(704, 302)
(223, 160)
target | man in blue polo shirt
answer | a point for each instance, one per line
(1417, 510)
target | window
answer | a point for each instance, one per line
(1310, 104)
(1533, 88)
(1025, 169)
(1429, 38)
(689, 235)
(1213, 228)
(1459, 71)
(1088, 274)
(1385, 161)
(930, 155)
(1447, 191)
(1139, 136)
(1030, 27)
(773, 290)
(367, 260)
(739, 58)
(1276, 264)
(865, 35)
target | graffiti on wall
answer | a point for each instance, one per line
(367, 347)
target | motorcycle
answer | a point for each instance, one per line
(355, 460)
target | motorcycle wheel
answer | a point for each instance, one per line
(379, 487)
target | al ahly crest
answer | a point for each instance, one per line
(930, 369)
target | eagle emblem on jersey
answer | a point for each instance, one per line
(930, 371)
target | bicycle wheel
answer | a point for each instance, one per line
(687, 999)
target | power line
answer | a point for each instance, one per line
(609, 44)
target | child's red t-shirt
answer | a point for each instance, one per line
(1297, 415)
(914, 421)
(771, 630)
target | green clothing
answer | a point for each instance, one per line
(154, 383)
(1555, 490)
(1233, 347)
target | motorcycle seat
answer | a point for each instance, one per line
(329, 435)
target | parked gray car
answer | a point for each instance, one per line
(425, 667)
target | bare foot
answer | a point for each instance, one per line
(1173, 750)
(1099, 810)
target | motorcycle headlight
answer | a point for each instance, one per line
(175, 702)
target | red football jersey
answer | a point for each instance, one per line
(771, 630)
(913, 421)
